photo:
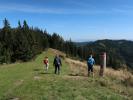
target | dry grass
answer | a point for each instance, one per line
(19, 82)
(37, 77)
(77, 68)
(57, 52)
(80, 68)
(120, 74)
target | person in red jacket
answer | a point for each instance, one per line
(46, 63)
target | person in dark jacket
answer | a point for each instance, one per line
(57, 63)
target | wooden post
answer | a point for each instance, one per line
(102, 63)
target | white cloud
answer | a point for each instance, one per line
(27, 8)
(34, 9)
(42, 10)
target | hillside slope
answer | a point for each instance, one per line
(28, 81)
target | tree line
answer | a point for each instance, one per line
(25, 42)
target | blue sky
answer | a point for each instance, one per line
(80, 20)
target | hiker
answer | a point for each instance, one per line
(57, 63)
(46, 63)
(90, 63)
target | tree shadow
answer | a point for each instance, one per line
(73, 74)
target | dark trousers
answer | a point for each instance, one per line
(57, 68)
(90, 69)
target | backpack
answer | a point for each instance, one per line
(90, 61)
(57, 61)
(45, 61)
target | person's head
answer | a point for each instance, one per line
(56, 55)
(90, 55)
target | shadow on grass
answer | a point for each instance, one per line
(44, 73)
(71, 74)
(36, 69)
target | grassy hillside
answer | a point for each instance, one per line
(27, 81)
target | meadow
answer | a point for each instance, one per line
(29, 81)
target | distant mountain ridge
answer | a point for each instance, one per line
(82, 43)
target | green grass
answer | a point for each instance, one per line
(27, 81)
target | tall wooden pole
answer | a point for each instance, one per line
(102, 64)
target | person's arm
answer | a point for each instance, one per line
(48, 61)
(93, 61)
(60, 62)
(54, 62)
(87, 61)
